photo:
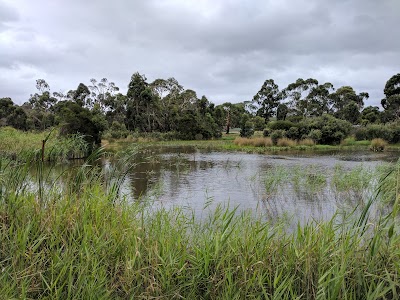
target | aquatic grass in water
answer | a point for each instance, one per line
(353, 184)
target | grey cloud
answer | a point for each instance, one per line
(223, 49)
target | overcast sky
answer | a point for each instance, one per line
(223, 49)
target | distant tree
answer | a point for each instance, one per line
(319, 100)
(102, 93)
(343, 97)
(267, 99)
(296, 96)
(81, 94)
(370, 114)
(74, 118)
(258, 122)
(351, 113)
(282, 112)
(391, 102)
(6, 108)
(142, 105)
(41, 104)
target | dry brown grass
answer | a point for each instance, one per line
(285, 142)
(306, 142)
(255, 142)
(378, 145)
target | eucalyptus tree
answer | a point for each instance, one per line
(296, 96)
(346, 103)
(142, 105)
(319, 100)
(267, 99)
(391, 102)
(41, 105)
(102, 94)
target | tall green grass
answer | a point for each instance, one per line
(26, 146)
(82, 243)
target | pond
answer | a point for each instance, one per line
(298, 186)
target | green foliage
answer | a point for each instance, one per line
(267, 99)
(389, 132)
(315, 135)
(259, 123)
(281, 112)
(116, 131)
(246, 127)
(391, 103)
(332, 130)
(370, 114)
(75, 119)
(276, 135)
(281, 125)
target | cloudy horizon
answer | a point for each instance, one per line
(222, 49)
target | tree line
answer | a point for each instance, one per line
(165, 106)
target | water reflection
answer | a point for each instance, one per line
(301, 185)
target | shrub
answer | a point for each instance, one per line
(293, 133)
(266, 132)
(378, 145)
(360, 134)
(259, 123)
(277, 134)
(332, 130)
(285, 142)
(247, 130)
(198, 137)
(281, 125)
(315, 135)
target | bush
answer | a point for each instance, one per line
(315, 135)
(378, 145)
(361, 134)
(247, 130)
(281, 125)
(266, 132)
(293, 133)
(332, 130)
(277, 134)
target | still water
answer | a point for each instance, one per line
(299, 186)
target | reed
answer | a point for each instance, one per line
(82, 243)
(25, 145)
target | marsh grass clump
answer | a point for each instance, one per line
(378, 145)
(285, 142)
(306, 142)
(255, 142)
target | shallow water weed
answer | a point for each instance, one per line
(355, 183)
(274, 179)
